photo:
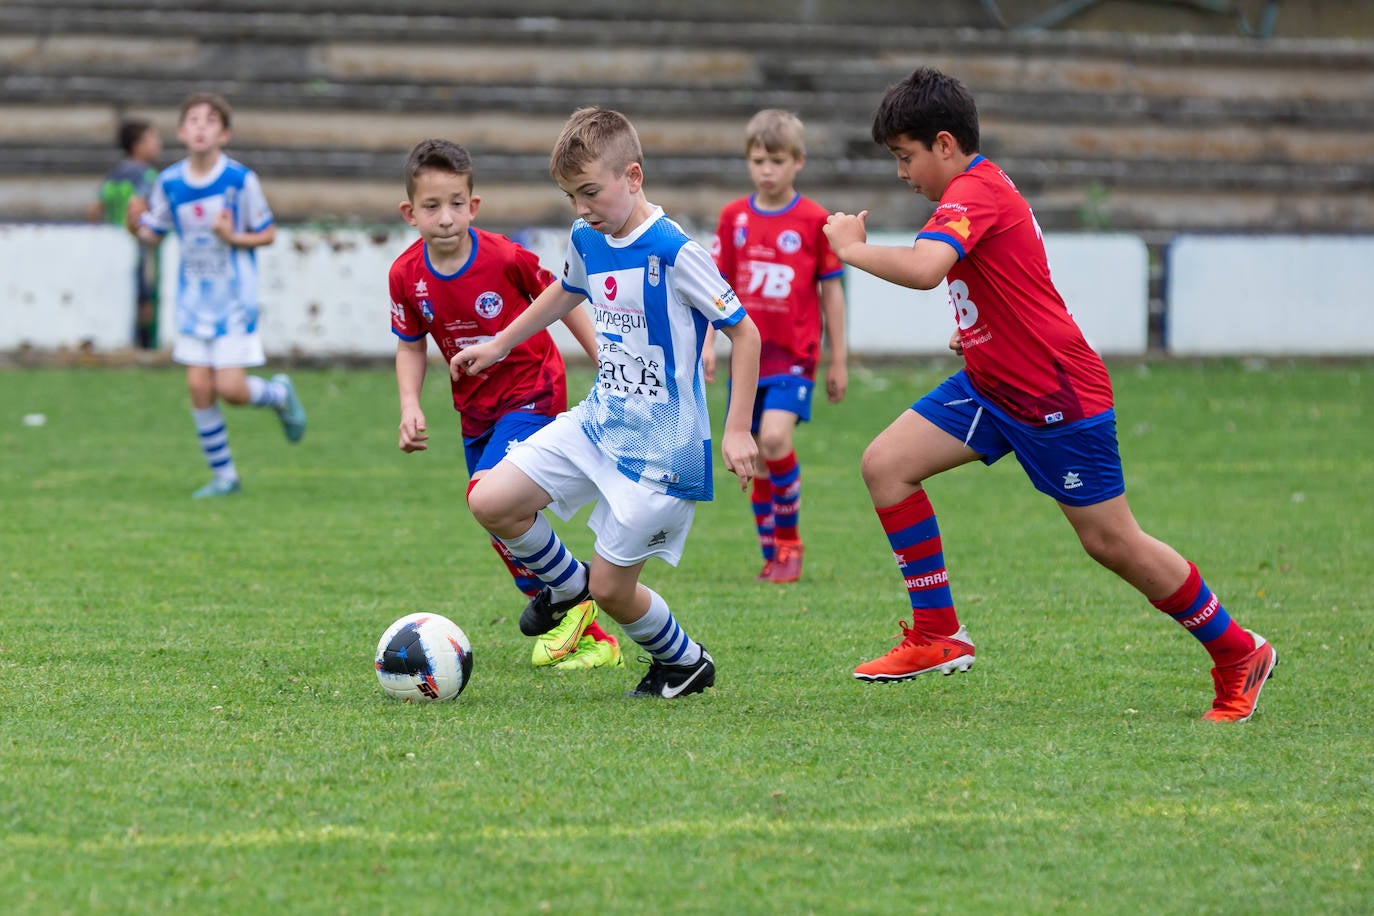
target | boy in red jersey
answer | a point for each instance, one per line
(1031, 386)
(771, 246)
(461, 285)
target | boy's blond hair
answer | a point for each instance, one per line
(777, 131)
(591, 135)
(218, 103)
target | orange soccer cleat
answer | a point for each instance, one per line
(916, 654)
(787, 562)
(1239, 685)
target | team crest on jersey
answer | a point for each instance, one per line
(653, 270)
(488, 305)
(741, 235)
(789, 241)
(426, 310)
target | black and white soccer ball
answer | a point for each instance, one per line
(424, 657)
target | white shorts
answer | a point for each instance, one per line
(631, 521)
(231, 351)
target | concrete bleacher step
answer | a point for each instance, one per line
(331, 95)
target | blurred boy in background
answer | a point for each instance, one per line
(134, 177)
(217, 209)
(771, 247)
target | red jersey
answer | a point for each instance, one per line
(497, 283)
(775, 260)
(1022, 349)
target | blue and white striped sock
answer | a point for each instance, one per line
(214, 441)
(262, 393)
(541, 552)
(659, 633)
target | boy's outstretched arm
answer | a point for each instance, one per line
(737, 445)
(922, 266)
(549, 306)
(411, 361)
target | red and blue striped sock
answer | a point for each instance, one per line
(1200, 613)
(915, 538)
(784, 474)
(761, 500)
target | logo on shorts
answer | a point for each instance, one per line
(789, 242)
(1071, 481)
(488, 305)
(1056, 417)
(658, 538)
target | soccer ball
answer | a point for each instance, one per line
(424, 657)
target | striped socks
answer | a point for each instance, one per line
(214, 442)
(1200, 613)
(915, 538)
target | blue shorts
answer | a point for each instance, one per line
(1077, 463)
(791, 393)
(484, 452)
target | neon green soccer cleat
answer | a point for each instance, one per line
(560, 642)
(593, 653)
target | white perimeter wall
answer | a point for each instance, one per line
(1299, 295)
(1104, 279)
(325, 292)
(61, 285)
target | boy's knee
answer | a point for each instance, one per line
(877, 466)
(1105, 547)
(481, 504)
(775, 444)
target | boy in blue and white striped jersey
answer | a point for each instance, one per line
(220, 215)
(638, 446)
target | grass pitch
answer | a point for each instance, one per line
(189, 718)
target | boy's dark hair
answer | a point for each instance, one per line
(439, 155)
(217, 102)
(592, 135)
(131, 130)
(924, 104)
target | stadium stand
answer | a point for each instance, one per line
(1146, 117)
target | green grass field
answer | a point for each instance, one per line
(189, 720)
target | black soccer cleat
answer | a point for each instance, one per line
(669, 682)
(542, 614)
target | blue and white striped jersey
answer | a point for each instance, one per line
(217, 284)
(652, 294)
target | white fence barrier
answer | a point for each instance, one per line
(62, 286)
(325, 292)
(1279, 295)
(1104, 279)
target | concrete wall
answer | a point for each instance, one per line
(1104, 279)
(1299, 295)
(325, 293)
(64, 285)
